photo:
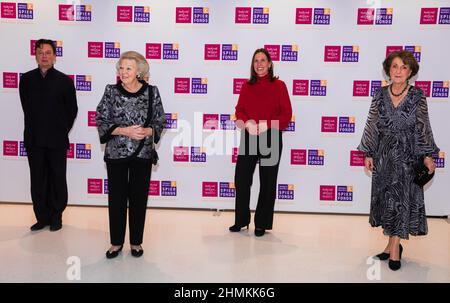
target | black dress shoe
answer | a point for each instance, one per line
(259, 232)
(38, 226)
(236, 228)
(395, 265)
(114, 253)
(55, 226)
(137, 252)
(385, 256)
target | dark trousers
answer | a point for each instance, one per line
(128, 184)
(48, 183)
(245, 168)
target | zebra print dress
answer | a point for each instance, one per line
(396, 137)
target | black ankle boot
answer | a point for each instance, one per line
(235, 228)
(259, 232)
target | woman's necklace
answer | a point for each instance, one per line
(398, 95)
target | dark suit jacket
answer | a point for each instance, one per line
(50, 106)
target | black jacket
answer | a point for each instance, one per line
(50, 106)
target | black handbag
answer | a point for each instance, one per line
(421, 175)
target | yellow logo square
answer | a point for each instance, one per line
(417, 49)
(350, 189)
(445, 84)
(203, 149)
(204, 80)
(146, 9)
(206, 10)
(351, 119)
(293, 118)
(59, 43)
(266, 10)
(88, 8)
(231, 185)
(116, 45)
(234, 47)
(326, 11)
(29, 5)
(174, 116)
(389, 11)
(441, 155)
(87, 146)
(233, 117)
(175, 46)
(173, 183)
(294, 47)
(290, 186)
(323, 82)
(321, 152)
(355, 48)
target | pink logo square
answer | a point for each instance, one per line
(210, 121)
(95, 49)
(327, 192)
(91, 118)
(428, 15)
(298, 156)
(153, 50)
(71, 77)
(303, 16)
(8, 10)
(32, 47)
(243, 15)
(274, 51)
(356, 158)
(182, 85)
(237, 85)
(10, 148)
(10, 80)
(332, 53)
(209, 189)
(180, 154)
(329, 124)
(66, 12)
(71, 151)
(390, 49)
(124, 13)
(154, 189)
(361, 88)
(212, 52)
(300, 87)
(183, 15)
(425, 86)
(366, 16)
(95, 186)
(234, 155)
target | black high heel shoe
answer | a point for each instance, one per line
(113, 254)
(384, 256)
(395, 265)
(137, 252)
(235, 228)
(259, 232)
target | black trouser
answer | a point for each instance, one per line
(128, 183)
(48, 183)
(268, 173)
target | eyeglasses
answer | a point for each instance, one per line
(47, 53)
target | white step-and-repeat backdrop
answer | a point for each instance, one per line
(329, 54)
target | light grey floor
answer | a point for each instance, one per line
(195, 246)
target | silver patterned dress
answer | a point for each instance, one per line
(396, 138)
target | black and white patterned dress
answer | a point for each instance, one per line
(396, 137)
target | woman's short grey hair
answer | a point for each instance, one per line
(142, 64)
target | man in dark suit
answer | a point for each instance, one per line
(49, 105)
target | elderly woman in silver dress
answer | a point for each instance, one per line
(130, 119)
(397, 135)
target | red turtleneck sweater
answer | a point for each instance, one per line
(265, 100)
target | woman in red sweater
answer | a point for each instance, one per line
(263, 111)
